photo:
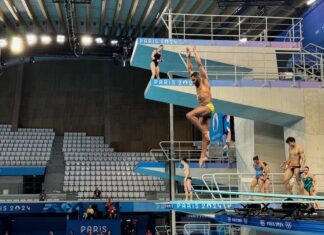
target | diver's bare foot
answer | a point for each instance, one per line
(202, 161)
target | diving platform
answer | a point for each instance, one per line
(221, 58)
(275, 225)
(266, 101)
(275, 216)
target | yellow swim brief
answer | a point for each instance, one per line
(211, 107)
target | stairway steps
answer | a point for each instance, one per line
(54, 178)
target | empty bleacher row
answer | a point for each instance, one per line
(26, 146)
(79, 142)
(90, 163)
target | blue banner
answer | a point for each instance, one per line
(197, 206)
(50, 207)
(21, 170)
(41, 207)
(309, 226)
(95, 227)
(220, 126)
(140, 207)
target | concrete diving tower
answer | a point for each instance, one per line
(249, 79)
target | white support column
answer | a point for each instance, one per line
(244, 143)
(171, 126)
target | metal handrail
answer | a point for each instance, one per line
(243, 26)
(191, 150)
(207, 228)
(235, 16)
(161, 230)
(226, 179)
(270, 67)
(315, 46)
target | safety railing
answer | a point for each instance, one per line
(266, 66)
(313, 48)
(163, 230)
(240, 182)
(191, 150)
(205, 228)
(233, 27)
(158, 154)
(209, 229)
(313, 60)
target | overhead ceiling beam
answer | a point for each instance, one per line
(158, 19)
(31, 14)
(227, 11)
(116, 18)
(89, 19)
(7, 23)
(179, 8)
(194, 10)
(275, 12)
(46, 15)
(143, 19)
(210, 10)
(15, 14)
(75, 20)
(130, 16)
(60, 15)
(103, 15)
(250, 11)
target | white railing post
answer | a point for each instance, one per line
(293, 29)
(264, 70)
(266, 29)
(272, 187)
(289, 35)
(239, 27)
(211, 28)
(170, 24)
(300, 32)
(322, 70)
(184, 26)
(294, 72)
(304, 65)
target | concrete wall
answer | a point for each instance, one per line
(257, 138)
(280, 100)
(244, 143)
(309, 132)
(269, 144)
(97, 97)
(7, 92)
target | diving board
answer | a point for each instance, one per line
(219, 56)
(216, 203)
(158, 169)
(246, 99)
(268, 195)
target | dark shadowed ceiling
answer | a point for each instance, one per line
(124, 18)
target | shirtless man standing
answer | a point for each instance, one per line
(187, 179)
(200, 116)
(295, 164)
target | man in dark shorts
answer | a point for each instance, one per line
(295, 164)
(187, 179)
